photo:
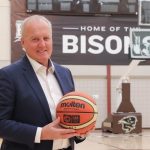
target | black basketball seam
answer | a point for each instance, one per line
(79, 96)
(76, 112)
(78, 125)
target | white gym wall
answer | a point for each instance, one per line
(5, 50)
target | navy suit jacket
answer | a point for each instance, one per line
(23, 105)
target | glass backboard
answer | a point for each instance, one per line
(139, 43)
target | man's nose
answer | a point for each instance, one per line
(41, 42)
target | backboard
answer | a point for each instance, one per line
(139, 43)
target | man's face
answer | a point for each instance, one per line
(37, 41)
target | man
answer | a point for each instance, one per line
(30, 90)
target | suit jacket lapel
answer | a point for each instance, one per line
(34, 83)
(62, 80)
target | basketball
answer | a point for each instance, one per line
(77, 110)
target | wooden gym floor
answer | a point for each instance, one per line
(98, 140)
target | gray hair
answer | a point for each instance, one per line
(34, 18)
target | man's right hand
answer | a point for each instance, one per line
(53, 131)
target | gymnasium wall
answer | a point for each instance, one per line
(4, 32)
(92, 79)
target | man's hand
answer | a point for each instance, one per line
(53, 131)
(84, 135)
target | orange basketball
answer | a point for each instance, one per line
(77, 110)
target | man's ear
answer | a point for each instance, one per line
(22, 43)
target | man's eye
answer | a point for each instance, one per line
(35, 39)
(46, 38)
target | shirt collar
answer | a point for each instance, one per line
(36, 66)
